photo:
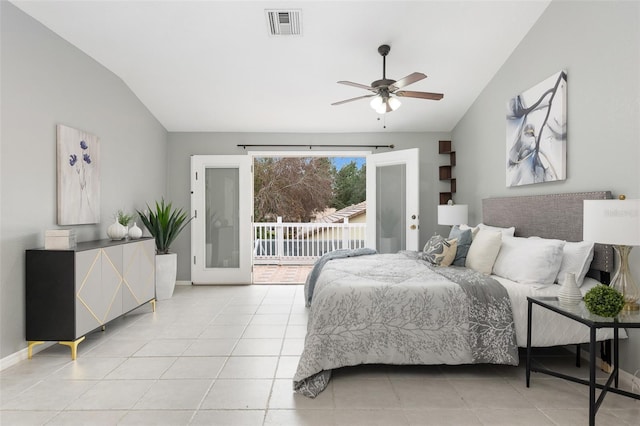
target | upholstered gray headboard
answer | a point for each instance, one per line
(548, 216)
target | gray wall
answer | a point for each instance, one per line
(598, 44)
(182, 145)
(46, 81)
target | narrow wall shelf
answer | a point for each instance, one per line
(446, 171)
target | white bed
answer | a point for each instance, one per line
(399, 309)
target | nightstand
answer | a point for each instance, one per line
(581, 314)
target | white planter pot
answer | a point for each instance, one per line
(166, 271)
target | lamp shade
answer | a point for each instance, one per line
(456, 214)
(615, 222)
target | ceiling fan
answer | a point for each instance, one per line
(383, 89)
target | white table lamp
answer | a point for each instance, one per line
(616, 222)
(453, 214)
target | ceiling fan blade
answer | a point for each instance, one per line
(410, 79)
(421, 95)
(352, 99)
(361, 86)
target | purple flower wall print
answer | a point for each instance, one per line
(78, 177)
(537, 133)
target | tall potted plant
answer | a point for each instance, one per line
(164, 224)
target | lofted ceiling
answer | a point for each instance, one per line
(213, 66)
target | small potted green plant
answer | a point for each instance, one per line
(123, 218)
(165, 224)
(604, 301)
(120, 227)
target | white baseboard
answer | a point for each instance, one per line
(629, 379)
(179, 282)
(21, 355)
(624, 376)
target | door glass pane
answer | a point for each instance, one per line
(390, 208)
(222, 219)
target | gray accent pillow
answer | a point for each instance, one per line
(464, 238)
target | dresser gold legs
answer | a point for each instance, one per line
(74, 347)
(30, 346)
(72, 344)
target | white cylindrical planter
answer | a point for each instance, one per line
(166, 271)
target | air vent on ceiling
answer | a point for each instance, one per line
(284, 22)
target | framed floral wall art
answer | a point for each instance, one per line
(78, 176)
(537, 133)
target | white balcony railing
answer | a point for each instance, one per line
(300, 243)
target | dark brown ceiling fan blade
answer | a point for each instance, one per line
(361, 86)
(352, 99)
(410, 79)
(421, 95)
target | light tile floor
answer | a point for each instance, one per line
(226, 355)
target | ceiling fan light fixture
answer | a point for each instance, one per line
(383, 105)
(382, 100)
(394, 103)
(376, 103)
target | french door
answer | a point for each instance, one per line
(221, 203)
(393, 200)
(221, 200)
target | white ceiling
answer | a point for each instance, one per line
(212, 65)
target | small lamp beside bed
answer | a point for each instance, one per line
(617, 223)
(453, 214)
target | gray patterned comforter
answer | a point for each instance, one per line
(398, 309)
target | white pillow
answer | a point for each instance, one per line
(529, 260)
(576, 259)
(506, 232)
(483, 251)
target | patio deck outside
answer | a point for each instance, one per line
(284, 252)
(280, 274)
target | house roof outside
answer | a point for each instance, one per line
(348, 212)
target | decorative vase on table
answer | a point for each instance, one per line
(135, 232)
(569, 294)
(115, 231)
